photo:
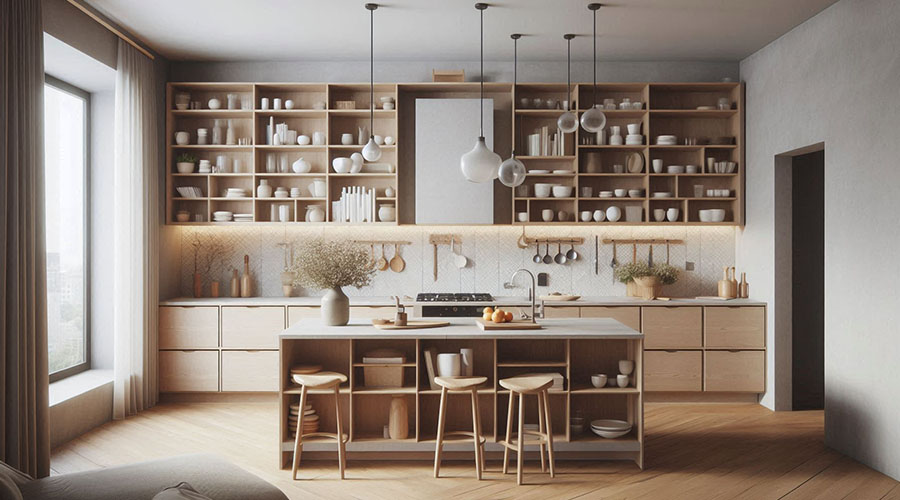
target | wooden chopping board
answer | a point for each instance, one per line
(560, 297)
(410, 325)
(513, 325)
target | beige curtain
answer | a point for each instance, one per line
(136, 229)
(24, 428)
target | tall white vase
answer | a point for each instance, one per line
(335, 307)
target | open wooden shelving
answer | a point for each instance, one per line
(366, 409)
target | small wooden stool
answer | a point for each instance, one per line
(531, 384)
(320, 380)
(460, 384)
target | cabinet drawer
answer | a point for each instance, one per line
(673, 371)
(250, 371)
(558, 312)
(188, 327)
(735, 327)
(188, 371)
(673, 327)
(298, 313)
(370, 312)
(735, 371)
(628, 316)
(252, 327)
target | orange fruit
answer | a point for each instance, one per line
(509, 316)
(487, 310)
(487, 316)
(498, 316)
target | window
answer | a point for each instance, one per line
(66, 146)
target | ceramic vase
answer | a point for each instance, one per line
(214, 289)
(398, 423)
(264, 190)
(448, 364)
(198, 285)
(335, 307)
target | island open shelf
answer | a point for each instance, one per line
(573, 348)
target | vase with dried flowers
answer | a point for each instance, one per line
(646, 281)
(330, 266)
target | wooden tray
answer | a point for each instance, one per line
(411, 325)
(513, 325)
(559, 297)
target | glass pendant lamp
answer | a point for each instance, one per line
(512, 171)
(371, 151)
(568, 122)
(593, 120)
(480, 164)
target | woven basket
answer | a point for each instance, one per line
(648, 287)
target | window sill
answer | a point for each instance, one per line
(78, 384)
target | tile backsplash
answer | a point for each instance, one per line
(492, 252)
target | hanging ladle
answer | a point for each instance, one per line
(560, 256)
(547, 258)
(537, 253)
(572, 254)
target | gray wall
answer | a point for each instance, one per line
(102, 208)
(420, 71)
(834, 79)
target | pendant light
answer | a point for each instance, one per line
(593, 120)
(371, 152)
(480, 164)
(512, 171)
(568, 121)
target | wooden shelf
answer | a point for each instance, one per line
(530, 364)
(383, 390)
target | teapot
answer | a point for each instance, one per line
(318, 188)
(315, 213)
(301, 166)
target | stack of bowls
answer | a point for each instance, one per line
(610, 428)
(666, 140)
(712, 215)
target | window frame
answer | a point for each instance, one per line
(82, 94)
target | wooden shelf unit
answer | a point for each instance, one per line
(252, 123)
(668, 108)
(366, 409)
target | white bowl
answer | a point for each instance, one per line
(662, 194)
(675, 169)
(633, 128)
(562, 191)
(606, 194)
(522, 216)
(609, 428)
(620, 193)
(716, 215)
(599, 380)
(562, 171)
(542, 189)
(342, 165)
(705, 216)
(547, 215)
(635, 193)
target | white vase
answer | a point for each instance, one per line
(264, 190)
(335, 307)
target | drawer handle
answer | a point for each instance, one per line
(672, 350)
(734, 350)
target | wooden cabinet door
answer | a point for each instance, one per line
(188, 371)
(735, 327)
(735, 371)
(672, 327)
(252, 327)
(188, 327)
(673, 371)
(249, 371)
(299, 313)
(558, 312)
(629, 316)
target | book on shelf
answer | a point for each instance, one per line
(544, 143)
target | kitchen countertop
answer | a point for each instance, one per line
(501, 301)
(465, 328)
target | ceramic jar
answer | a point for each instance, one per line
(387, 213)
(301, 166)
(264, 190)
(315, 213)
(347, 139)
(335, 308)
(182, 138)
(318, 188)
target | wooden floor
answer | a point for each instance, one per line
(692, 452)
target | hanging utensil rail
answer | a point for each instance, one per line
(642, 242)
(380, 242)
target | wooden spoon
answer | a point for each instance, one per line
(397, 262)
(382, 263)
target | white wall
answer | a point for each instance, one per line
(834, 79)
(102, 209)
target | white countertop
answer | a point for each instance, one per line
(465, 328)
(502, 301)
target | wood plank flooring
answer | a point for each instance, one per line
(692, 452)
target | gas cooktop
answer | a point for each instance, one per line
(454, 297)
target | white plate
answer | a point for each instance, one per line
(634, 163)
(538, 171)
(562, 171)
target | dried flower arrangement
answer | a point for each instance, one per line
(666, 273)
(331, 264)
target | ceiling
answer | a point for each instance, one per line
(447, 30)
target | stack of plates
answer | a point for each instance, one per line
(204, 168)
(223, 216)
(189, 192)
(236, 193)
(634, 139)
(606, 194)
(610, 429)
(666, 140)
(675, 169)
(310, 419)
(538, 172)
(662, 194)
(243, 217)
(562, 171)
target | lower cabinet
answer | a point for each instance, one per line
(560, 312)
(188, 371)
(249, 371)
(735, 371)
(629, 316)
(673, 371)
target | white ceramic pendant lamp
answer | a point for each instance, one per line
(371, 151)
(512, 171)
(480, 164)
(593, 120)
(568, 121)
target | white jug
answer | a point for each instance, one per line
(318, 188)
(314, 213)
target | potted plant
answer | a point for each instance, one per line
(184, 163)
(645, 281)
(330, 266)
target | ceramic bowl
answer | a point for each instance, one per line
(634, 128)
(586, 216)
(622, 380)
(342, 165)
(672, 214)
(562, 191)
(716, 215)
(662, 194)
(182, 217)
(598, 380)
(547, 215)
(620, 193)
(542, 190)
(659, 214)
(599, 215)
(303, 140)
(610, 429)
(185, 167)
(635, 193)
(675, 169)
(606, 194)
(522, 216)
(705, 216)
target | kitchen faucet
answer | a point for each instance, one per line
(531, 293)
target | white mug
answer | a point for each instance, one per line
(672, 214)
(347, 139)
(448, 364)
(657, 166)
(276, 103)
(318, 138)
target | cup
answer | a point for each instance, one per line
(448, 364)
(264, 103)
(690, 169)
(710, 165)
(547, 215)
(626, 366)
(222, 164)
(522, 216)
(634, 128)
(619, 169)
(622, 380)
(347, 139)
(562, 215)
(659, 214)
(657, 166)
(586, 216)
(231, 101)
(698, 190)
(318, 138)
(599, 380)
(276, 103)
(672, 214)
(615, 130)
(467, 358)
(587, 191)
(724, 103)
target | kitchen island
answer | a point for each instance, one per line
(574, 348)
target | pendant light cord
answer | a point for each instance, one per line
(481, 100)
(569, 73)
(515, 78)
(594, 97)
(372, 73)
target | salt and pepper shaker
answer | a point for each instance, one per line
(400, 316)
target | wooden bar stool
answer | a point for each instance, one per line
(529, 384)
(460, 384)
(320, 380)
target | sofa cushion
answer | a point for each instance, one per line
(182, 491)
(208, 474)
(10, 481)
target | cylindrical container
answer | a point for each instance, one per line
(217, 137)
(202, 136)
(398, 422)
(448, 364)
(467, 357)
(284, 213)
(264, 103)
(276, 103)
(232, 100)
(347, 139)
(238, 165)
(270, 163)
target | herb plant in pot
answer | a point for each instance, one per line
(645, 281)
(184, 163)
(330, 266)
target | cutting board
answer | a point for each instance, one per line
(514, 325)
(411, 325)
(560, 297)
